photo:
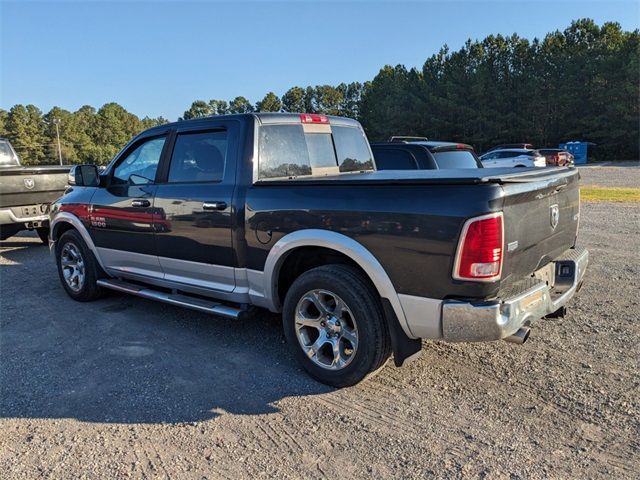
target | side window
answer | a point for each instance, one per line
(394, 159)
(140, 166)
(198, 157)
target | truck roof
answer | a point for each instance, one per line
(262, 117)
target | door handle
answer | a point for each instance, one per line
(214, 205)
(140, 203)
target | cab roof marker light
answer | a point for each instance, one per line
(313, 118)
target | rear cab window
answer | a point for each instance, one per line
(288, 150)
(7, 156)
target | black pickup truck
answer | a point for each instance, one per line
(286, 212)
(26, 193)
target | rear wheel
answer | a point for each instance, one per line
(333, 321)
(77, 267)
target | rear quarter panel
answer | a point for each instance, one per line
(412, 230)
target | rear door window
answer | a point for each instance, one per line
(198, 157)
(455, 159)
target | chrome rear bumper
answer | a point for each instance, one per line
(478, 322)
(13, 215)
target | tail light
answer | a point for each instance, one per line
(480, 250)
(556, 158)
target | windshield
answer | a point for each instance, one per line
(455, 159)
(7, 157)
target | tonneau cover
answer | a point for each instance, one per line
(452, 176)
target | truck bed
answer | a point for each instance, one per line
(419, 214)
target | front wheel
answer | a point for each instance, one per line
(333, 321)
(77, 267)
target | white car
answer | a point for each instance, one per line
(513, 157)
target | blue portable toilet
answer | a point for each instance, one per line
(578, 150)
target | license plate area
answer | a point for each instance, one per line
(34, 210)
(547, 274)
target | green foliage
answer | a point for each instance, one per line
(240, 105)
(86, 136)
(198, 109)
(294, 100)
(270, 103)
(579, 84)
(26, 129)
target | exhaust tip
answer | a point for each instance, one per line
(521, 336)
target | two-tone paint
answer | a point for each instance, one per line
(400, 227)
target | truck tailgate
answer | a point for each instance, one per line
(31, 185)
(541, 217)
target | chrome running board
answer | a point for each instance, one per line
(177, 299)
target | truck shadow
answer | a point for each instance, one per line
(127, 360)
(20, 242)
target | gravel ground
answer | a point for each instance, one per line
(124, 387)
(621, 174)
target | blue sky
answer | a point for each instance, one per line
(155, 58)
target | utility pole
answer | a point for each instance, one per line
(56, 121)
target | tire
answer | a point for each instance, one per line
(322, 339)
(71, 247)
(8, 231)
(43, 233)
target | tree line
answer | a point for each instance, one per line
(579, 84)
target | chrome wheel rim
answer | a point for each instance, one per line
(326, 329)
(72, 264)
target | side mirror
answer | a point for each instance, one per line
(84, 176)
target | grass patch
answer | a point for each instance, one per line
(594, 193)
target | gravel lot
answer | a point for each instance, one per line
(124, 387)
(622, 174)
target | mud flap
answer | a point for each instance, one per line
(403, 347)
